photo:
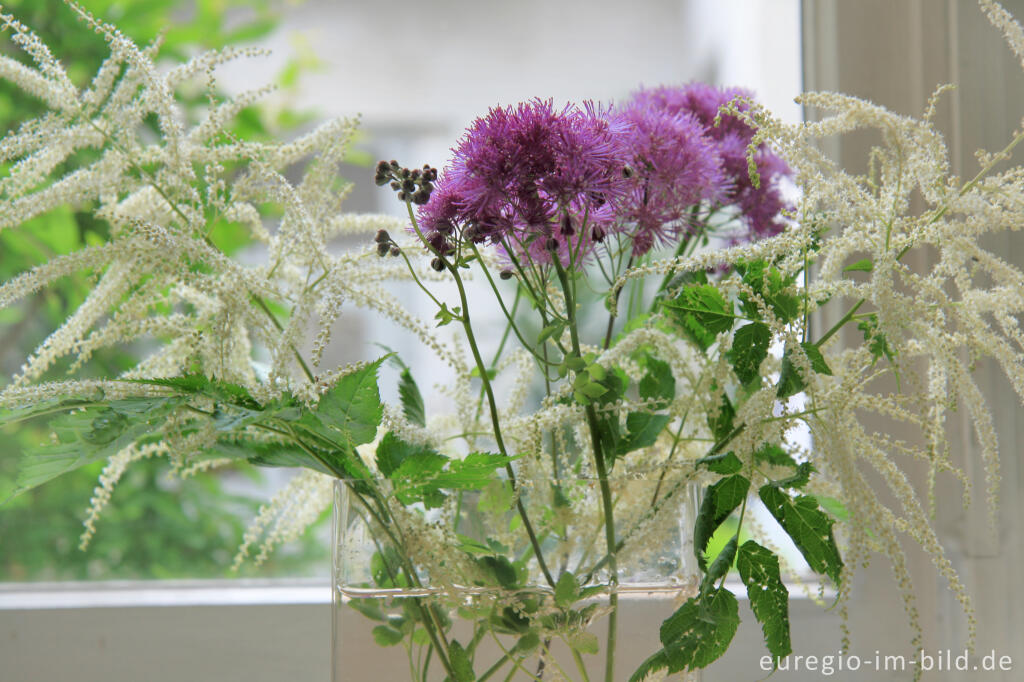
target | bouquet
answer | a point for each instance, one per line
(660, 266)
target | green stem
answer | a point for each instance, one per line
(602, 477)
(838, 325)
(467, 326)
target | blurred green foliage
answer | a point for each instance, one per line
(154, 527)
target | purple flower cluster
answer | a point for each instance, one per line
(539, 181)
(526, 178)
(760, 207)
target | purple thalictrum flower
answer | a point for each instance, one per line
(532, 179)
(761, 206)
(673, 167)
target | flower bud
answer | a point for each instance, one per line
(382, 249)
(395, 251)
(382, 236)
(506, 274)
(437, 264)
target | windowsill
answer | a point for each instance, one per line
(147, 593)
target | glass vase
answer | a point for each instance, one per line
(450, 587)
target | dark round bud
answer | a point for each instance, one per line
(382, 166)
(567, 228)
(381, 180)
(427, 186)
(382, 236)
(394, 164)
(551, 244)
(401, 196)
(395, 251)
(421, 197)
(408, 186)
(395, 186)
(404, 173)
(437, 264)
(598, 234)
(627, 172)
(382, 249)
(415, 174)
(506, 274)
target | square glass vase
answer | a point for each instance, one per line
(433, 584)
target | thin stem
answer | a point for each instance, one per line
(467, 326)
(602, 475)
(262, 305)
(838, 325)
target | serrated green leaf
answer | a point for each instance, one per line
(352, 406)
(768, 596)
(592, 389)
(92, 434)
(749, 349)
(768, 283)
(700, 631)
(702, 312)
(526, 643)
(808, 526)
(393, 451)
(720, 500)
(642, 430)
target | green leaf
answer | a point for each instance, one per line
(768, 283)
(749, 349)
(642, 430)
(499, 570)
(808, 526)
(92, 434)
(474, 472)
(370, 608)
(386, 636)
(393, 451)
(553, 330)
(702, 312)
(720, 500)
(700, 631)
(723, 463)
(833, 507)
(411, 399)
(658, 383)
(877, 344)
(526, 643)
(774, 454)
(462, 668)
(860, 266)
(352, 406)
(567, 590)
(584, 642)
(798, 479)
(722, 563)
(769, 598)
(721, 424)
(790, 381)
